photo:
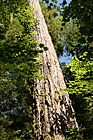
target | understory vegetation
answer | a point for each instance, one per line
(19, 68)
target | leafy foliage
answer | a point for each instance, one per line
(82, 88)
(79, 72)
(19, 67)
(82, 10)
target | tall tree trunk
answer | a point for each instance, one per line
(51, 114)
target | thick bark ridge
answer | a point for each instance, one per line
(51, 114)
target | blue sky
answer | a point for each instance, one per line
(60, 1)
(65, 58)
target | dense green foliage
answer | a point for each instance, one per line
(80, 70)
(82, 11)
(73, 41)
(82, 89)
(19, 67)
(83, 19)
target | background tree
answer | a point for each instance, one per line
(54, 25)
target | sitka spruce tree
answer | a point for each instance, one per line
(53, 114)
(31, 103)
(76, 40)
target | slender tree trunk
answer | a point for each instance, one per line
(51, 115)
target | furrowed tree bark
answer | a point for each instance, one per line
(51, 115)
